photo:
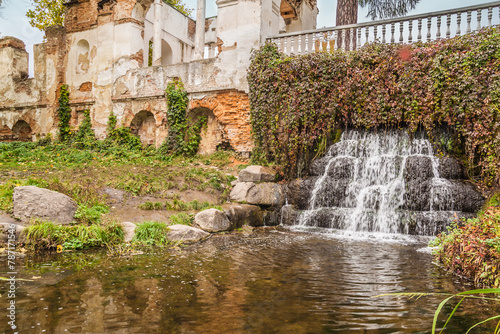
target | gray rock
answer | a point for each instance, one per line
(257, 174)
(186, 233)
(298, 192)
(128, 231)
(342, 168)
(272, 218)
(289, 216)
(212, 220)
(450, 168)
(235, 182)
(318, 166)
(418, 167)
(33, 202)
(20, 235)
(244, 214)
(259, 194)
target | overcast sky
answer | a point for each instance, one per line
(13, 21)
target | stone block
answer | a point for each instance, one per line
(257, 174)
(212, 220)
(186, 233)
(259, 194)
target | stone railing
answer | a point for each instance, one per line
(409, 29)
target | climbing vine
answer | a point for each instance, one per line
(112, 121)
(183, 137)
(85, 137)
(299, 103)
(64, 113)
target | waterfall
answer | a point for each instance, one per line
(387, 182)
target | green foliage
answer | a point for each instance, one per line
(46, 13)
(471, 248)
(182, 138)
(64, 113)
(7, 191)
(150, 54)
(180, 6)
(178, 205)
(151, 206)
(91, 214)
(123, 137)
(181, 219)
(46, 235)
(466, 295)
(151, 233)
(112, 121)
(84, 137)
(298, 103)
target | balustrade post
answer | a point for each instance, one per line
(419, 35)
(490, 16)
(448, 24)
(410, 29)
(359, 37)
(392, 32)
(367, 33)
(344, 40)
(429, 25)
(459, 23)
(383, 33)
(469, 19)
(479, 17)
(401, 27)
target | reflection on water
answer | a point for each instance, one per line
(262, 283)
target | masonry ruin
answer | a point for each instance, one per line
(103, 55)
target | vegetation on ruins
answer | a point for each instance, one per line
(183, 134)
(298, 103)
(64, 113)
(180, 6)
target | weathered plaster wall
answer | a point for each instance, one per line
(102, 55)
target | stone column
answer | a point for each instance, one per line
(157, 34)
(199, 46)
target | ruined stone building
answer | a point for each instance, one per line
(102, 54)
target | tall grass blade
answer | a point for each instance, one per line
(452, 313)
(436, 314)
(482, 322)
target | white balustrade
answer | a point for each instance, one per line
(350, 37)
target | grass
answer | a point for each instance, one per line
(46, 235)
(181, 219)
(178, 205)
(151, 206)
(91, 214)
(151, 234)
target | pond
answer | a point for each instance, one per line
(261, 282)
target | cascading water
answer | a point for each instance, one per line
(387, 182)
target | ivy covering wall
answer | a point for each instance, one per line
(298, 104)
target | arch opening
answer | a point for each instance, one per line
(82, 54)
(143, 125)
(213, 135)
(166, 53)
(21, 131)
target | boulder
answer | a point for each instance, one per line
(260, 194)
(318, 166)
(289, 216)
(128, 231)
(271, 218)
(257, 174)
(33, 202)
(342, 168)
(243, 214)
(212, 220)
(418, 167)
(450, 168)
(186, 233)
(298, 192)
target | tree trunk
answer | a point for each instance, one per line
(347, 13)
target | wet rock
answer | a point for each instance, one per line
(418, 167)
(186, 233)
(417, 195)
(430, 223)
(332, 193)
(212, 220)
(299, 191)
(318, 166)
(271, 218)
(260, 194)
(33, 202)
(243, 214)
(450, 168)
(257, 174)
(326, 218)
(341, 168)
(128, 231)
(19, 233)
(289, 216)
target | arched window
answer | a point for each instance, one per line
(144, 126)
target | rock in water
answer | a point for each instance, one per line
(33, 202)
(212, 220)
(244, 214)
(257, 174)
(128, 231)
(186, 233)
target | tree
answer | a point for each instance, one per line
(51, 12)
(46, 13)
(180, 6)
(347, 10)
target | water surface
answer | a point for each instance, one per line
(272, 282)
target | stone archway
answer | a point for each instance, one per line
(21, 131)
(143, 125)
(213, 135)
